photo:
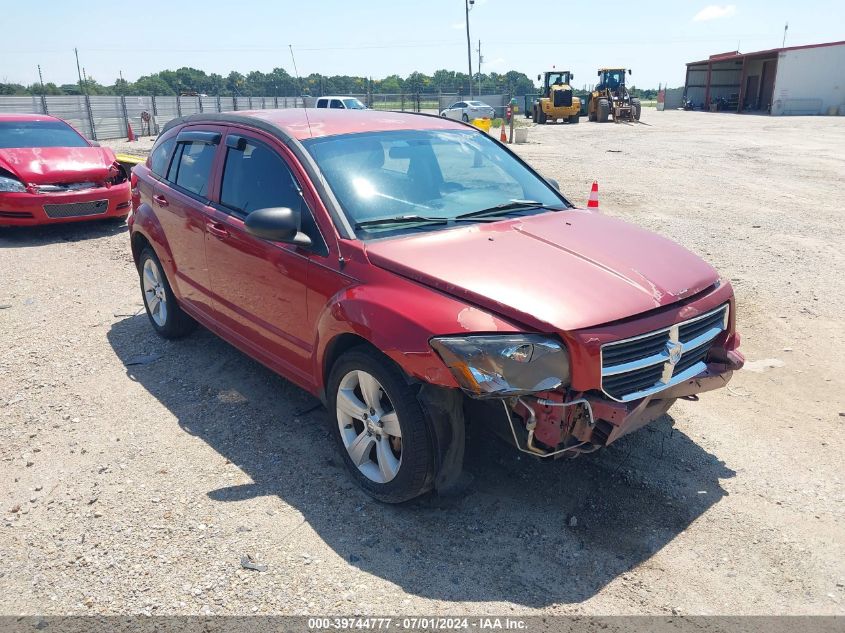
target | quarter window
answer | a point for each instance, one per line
(160, 158)
(322, 103)
(256, 177)
(191, 167)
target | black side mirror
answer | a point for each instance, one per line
(277, 224)
(598, 74)
(571, 77)
(629, 71)
(554, 183)
(539, 77)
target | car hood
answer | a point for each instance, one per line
(52, 165)
(565, 270)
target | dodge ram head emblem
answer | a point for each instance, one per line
(675, 350)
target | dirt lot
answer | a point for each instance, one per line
(136, 472)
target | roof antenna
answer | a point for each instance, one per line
(299, 83)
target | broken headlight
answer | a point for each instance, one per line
(499, 365)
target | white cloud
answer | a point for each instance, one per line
(459, 25)
(715, 11)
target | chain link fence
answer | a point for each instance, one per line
(107, 117)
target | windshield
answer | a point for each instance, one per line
(354, 104)
(559, 79)
(439, 174)
(38, 134)
(613, 78)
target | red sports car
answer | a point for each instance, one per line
(50, 173)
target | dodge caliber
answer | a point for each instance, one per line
(418, 276)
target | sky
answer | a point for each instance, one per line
(380, 37)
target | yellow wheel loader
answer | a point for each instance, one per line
(556, 101)
(610, 98)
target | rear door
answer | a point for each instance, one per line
(260, 287)
(181, 203)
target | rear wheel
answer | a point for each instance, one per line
(166, 317)
(534, 114)
(574, 118)
(381, 429)
(603, 112)
(541, 116)
(636, 108)
(465, 118)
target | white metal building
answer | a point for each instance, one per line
(793, 80)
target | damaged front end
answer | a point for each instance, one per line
(520, 384)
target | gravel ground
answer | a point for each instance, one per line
(137, 472)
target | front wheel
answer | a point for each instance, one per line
(636, 108)
(166, 317)
(380, 427)
(574, 118)
(465, 118)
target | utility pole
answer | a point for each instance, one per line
(40, 79)
(785, 29)
(121, 81)
(467, 5)
(480, 59)
(79, 72)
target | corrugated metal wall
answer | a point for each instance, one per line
(107, 113)
(810, 81)
(29, 105)
(73, 110)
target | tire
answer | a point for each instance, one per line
(465, 118)
(167, 318)
(574, 118)
(534, 114)
(382, 471)
(637, 107)
(541, 116)
(603, 112)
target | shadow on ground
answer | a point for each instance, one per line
(511, 537)
(18, 236)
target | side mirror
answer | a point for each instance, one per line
(629, 71)
(571, 77)
(277, 224)
(554, 183)
(598, 74)
(539, 77)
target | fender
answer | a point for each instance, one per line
(408, 315)
(144, 222)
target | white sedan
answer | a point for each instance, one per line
(468, 110)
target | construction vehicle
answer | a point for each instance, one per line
(610, 97)
(556, 100)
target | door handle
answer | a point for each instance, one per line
(160, 200)
(217, 230)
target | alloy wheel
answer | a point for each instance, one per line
(369, 426)
(154, 292)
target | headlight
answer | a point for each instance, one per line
(11, 185)
(504, 364)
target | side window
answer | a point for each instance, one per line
(337, 104)
(191, 166)
(256, 177)
(322, 103)
(460, 104)
(160, 158)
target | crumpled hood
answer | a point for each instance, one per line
(566, 270)
(53, 165)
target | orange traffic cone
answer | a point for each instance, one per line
(593, 202)
(503, 136)
(130, 135)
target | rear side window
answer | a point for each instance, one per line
(337, 104)
(322, 103)
(256, 177)
(191, 167)
(160, 158)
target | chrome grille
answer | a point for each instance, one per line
(637, 367)
(76, 209)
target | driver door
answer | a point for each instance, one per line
(259, 287)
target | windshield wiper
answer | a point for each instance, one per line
(506, 207)
(409, 219)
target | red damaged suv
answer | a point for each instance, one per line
(50, 173)
(415, 274)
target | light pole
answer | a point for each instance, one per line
(467, 6)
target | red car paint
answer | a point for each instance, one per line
(40, 166)
(584, 277)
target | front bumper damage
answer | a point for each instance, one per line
(554, 424)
